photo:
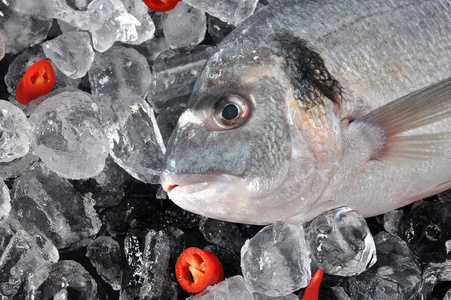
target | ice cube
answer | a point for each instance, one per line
(71, 52)
(68, 134)
(167, 119)
(147, 274)
(135, 140)
(341, 242)
(105, 255)
(18, 166)
(110, 22)
(67, 11)
(5, 200)
(20, 255)
(426, 228)
(43, 9)
(118, 73)
(153, 47)
(18, 31)
(276, 261)
(66, 279)
(2, 49)
(15, 132)
(258, 296)
(175, 216)
(184, 26)
(233, 288)
(45, 203)
(392, 221)
(395, 275)
(230, 260)
(224, 234)
(433, 274)
(146, 29)
(230, 11)
(218, 29)
(109, 187)
(445, 196)
(175, 73)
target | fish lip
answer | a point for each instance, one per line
(191, 183)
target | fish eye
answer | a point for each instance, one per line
(230, 111)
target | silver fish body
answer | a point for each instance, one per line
(284, 122)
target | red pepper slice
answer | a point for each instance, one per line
(196, 269)
(37, 81)
(312, 290)
(161, 5)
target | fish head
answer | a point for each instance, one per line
(230, 156)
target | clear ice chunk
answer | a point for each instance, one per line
(167, 119)
(395, 275)
(258, 296)
(118, 73)
(147, 274)
(341, 242)
(15, 132)
(20, 255)
(71, 53)
(45, 203)
(218, 29)
(68, 134)
(230, 11)
(109, 187)
(175, 73)
(110, 22)
(185, 26)
(392, 221)
(18, 31)
(18, 166)
(158, 44)
(67, 11)
(433, 274)
(105, 255)
(5, 200)
(38, 9)
(66, 279)
(2, 49)
(233, 288)
(135, 140)
(224, 234)
(146, 28)
(426, 228)
(276, 261)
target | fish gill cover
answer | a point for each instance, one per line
(82, 213)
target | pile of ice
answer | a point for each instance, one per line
(81, 213)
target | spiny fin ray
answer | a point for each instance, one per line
(415, 110)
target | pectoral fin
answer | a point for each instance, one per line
(415, 110)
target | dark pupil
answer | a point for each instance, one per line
(230, 112)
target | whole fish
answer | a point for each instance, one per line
(312, 105)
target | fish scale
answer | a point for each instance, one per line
(352, 94)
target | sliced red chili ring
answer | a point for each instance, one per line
(37, 81)
(196, 269)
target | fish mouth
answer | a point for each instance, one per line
(192, 183)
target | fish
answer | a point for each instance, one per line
(308, 106)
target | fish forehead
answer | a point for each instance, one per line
(236, 65)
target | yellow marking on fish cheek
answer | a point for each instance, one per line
(255, 74)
